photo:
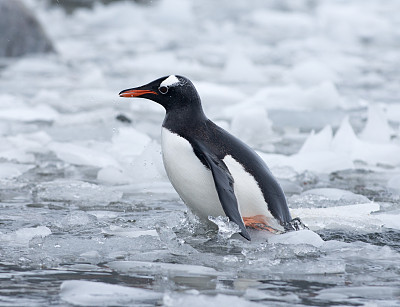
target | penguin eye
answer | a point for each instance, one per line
(163, 89)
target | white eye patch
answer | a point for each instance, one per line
(171, 80)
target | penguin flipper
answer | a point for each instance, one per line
(223, 181)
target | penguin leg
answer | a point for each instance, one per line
(223, 181)
(259, 222)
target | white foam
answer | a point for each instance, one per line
(170, 81)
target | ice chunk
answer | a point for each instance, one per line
(148, 166)
(28, 114)
(297, 237)
(345, 139)
(277, 25)
(377, 129)
(312, 72)
(226, 228)
(129, 232)
(318, 162)
(17, 155)
(350, 216)
(129, 142)
(292, 97)
(173, 269)
(336, 194)
(80, 192)
(216, 94)
(12, 170)
(392, 112)
(240, 69)
(80, 155)
(181, 299)
(74, 219)
(112, 175)
(22, 236)
(250, 120)
(89, 293)
(394, 184)
(324, 95)
(175, 245)
(343, 294)
(320, 141)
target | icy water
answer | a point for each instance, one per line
(88, 217)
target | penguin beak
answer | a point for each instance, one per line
(135, 92)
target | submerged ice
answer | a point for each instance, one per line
(88, 215)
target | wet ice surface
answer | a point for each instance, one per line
(88, 216)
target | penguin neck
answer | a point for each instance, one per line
(184, 118)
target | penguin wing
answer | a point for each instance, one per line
(223, 181)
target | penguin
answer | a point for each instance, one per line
(214, 173)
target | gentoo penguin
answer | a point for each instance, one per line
(213, 172)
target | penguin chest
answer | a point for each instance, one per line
(190, 178)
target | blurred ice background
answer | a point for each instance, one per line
(88, 216)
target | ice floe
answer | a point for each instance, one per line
(90, 293)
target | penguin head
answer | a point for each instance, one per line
(172, 92)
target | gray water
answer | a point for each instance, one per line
(88, 216)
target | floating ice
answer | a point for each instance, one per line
(37, 113)
(81, 155)
(249, 120)
(320, 141)
(343, 217)
(129, 232)
(298, 237)
(112, 175)
(226, 228)
(322, 153)
(312, 72)
(24, 235)
(82, 193)
(337, 194)
(240, 69)
(377, 129)
(293, 97)
(89, 293)
(394, 184)
(196, 300)
(129, 142)
(12, 170)
(75, 219)
(172, 269)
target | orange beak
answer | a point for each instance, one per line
(135, 93)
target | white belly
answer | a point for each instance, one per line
(195, 184)
(190, 178)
